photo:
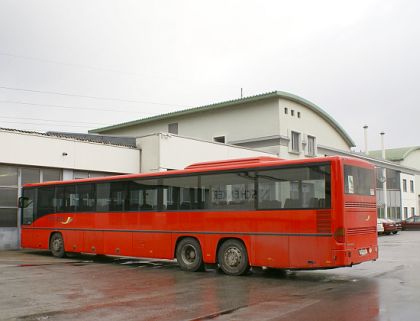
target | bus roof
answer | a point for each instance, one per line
(212, 166)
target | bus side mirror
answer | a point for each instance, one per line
(24, 202)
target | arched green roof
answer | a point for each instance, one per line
(274, 94)
(394, 154)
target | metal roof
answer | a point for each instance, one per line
(270, 95)
(394, 154)
(129, 142)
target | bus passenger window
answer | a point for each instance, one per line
(65, 198)
(85, 198)
(103, 200)
(45, 201)
(294, 188)
(228, 191)
(180, 193)
(118, 196)
(143, 195)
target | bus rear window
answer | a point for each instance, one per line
(358, 180)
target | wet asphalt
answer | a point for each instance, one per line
(36, 286)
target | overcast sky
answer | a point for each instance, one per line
(78, 65)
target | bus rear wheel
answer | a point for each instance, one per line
(233, 257)
(189, 255)
(57, 245)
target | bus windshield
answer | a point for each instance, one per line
(359, 180)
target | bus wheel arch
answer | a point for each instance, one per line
(232, 256)
(56, 245)
(189, 254)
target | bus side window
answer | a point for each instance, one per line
(45, 201)
(118, 196)
(297, 187)
(103, 199)
(143, 195)
(85, 198)
(228, 191)
(65, 198)
(180, 193)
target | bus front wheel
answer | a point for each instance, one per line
(57, 245)
(189, 255)
(233, 257)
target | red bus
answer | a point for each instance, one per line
(266, 212)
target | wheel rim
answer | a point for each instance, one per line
(56, 244)
(189, 254)
(233, 257)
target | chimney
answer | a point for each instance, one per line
(366, 138)
(383, 145)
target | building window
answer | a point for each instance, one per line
(405, 212)
(412, 186)
(311, 146)
(295, 142)
(298, 114)
(413, 211)
(219, 139)
(292, 112)
(51, 174)
(80, 175)
(8, 176)
(8, 196)
(286, 110)
(30, 175)
(173, 128)
(404, 185)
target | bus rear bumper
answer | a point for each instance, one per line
(353, 256)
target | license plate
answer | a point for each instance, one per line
(363, 252)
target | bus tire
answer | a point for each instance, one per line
(189, 255)
(57, 245)
(233, 257)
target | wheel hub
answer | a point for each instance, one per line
(233, 257)
(56, 245)
(189, 254)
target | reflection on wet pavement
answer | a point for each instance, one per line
(109, 288)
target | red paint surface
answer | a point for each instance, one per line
(154, 234)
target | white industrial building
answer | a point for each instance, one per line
(272, 124)
(406, 157)
(290, 127)
(30, 157)
(278, 123)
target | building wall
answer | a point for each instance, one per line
(46, 151)
(32, 158)
(261, 125)
(413, 160)
(309, 123)
(12, 178)
(166, 151)
(257, 119)
(408, 197)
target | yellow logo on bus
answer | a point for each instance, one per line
(69, 220)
